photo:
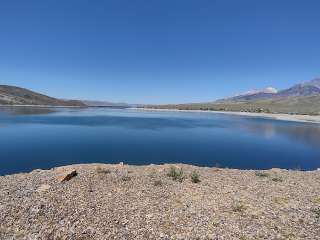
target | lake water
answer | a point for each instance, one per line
(33, 138)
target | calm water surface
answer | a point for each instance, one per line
(43, 138)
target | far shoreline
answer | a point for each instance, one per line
(274, 116)
(315, 119)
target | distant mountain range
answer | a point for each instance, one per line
(305, 89)
(303, 98)
(91, 103)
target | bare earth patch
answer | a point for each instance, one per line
(145, 202)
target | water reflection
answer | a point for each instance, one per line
(47, 137)
(26, 110)
(112, 121)
(306, 133)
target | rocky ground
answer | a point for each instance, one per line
(145, 202)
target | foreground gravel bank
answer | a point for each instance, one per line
(143, 202)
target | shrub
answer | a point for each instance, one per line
(103, 170)
(277, 179)
(262, 174)
(157, 183)
(175, 174)
(195, 177)
(125, 178)
(239, 207)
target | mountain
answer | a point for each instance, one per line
(11, 95)
(305, 89)
(91, 103)
(309, 88)
(303, 98)
(251, 95)
(315, 82)
(265, 90)
(299, 91)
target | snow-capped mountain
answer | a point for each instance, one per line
(251, 95)
(308, 88)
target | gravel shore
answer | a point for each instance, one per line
(160, 202)
(275, 116)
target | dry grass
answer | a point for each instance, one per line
(195, 177)
(262, 174)
(239, 207)
(101, 170)
(175, 173)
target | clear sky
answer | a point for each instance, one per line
(157, 51)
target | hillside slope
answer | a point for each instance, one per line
(11, 95)
(304, 89)
(302, 98)
(294, 105)
(309, 105)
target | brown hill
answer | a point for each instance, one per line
(11, 95)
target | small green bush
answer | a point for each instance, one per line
(195, 177)
(175, 174)
(277, 179)
(262, 174)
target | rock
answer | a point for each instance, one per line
(67, 175)
(43, 188)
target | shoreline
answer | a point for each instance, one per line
(188, 165)
(274, 116)
(159, 165)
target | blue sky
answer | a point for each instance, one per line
(147, 51)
